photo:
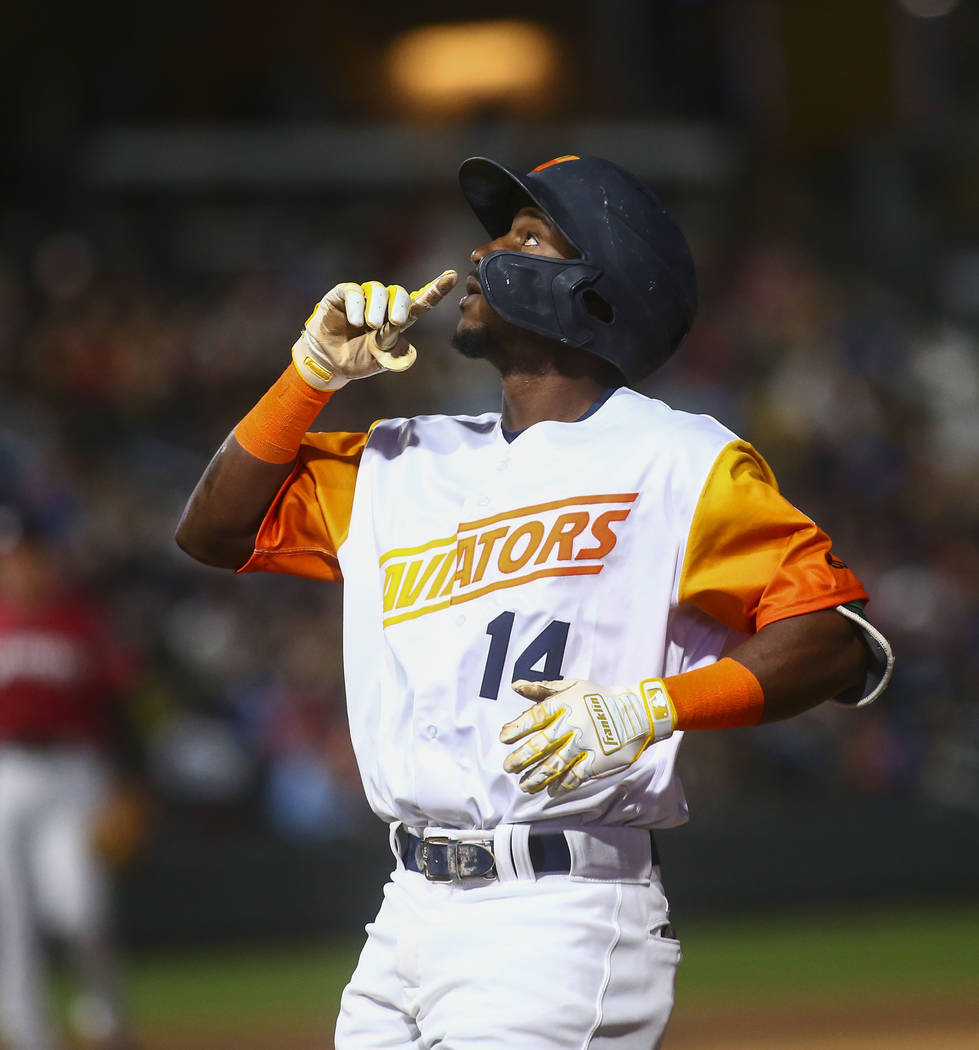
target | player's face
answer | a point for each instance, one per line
(531, 231)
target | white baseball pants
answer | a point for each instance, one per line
(553, 962)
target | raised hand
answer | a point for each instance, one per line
(356, 330)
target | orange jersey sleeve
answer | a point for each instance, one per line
(751, 557)
(310, 516)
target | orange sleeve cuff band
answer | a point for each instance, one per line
(725, 695)
(274, 429)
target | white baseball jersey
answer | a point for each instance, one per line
(637, 542)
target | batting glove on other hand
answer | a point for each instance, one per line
(356, 331)
(580, 731)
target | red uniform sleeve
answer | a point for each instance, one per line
(310, 516)
(751, 557)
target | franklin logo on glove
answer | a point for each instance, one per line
(607, 736)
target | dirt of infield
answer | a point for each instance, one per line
(904, 1023)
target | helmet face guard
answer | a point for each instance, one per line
(631, 294)
(540, 294)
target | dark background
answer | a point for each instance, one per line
(182, 181)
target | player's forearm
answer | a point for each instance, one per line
(226, 509)
(803, 660)
(786, 668)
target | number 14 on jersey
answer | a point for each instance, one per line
(540, 661)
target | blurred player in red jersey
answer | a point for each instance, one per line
(61, 676)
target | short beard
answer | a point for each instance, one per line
(512, 351)
(476, 343)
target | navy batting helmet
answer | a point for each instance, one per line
(631, 294)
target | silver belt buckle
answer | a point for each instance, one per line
(455, 860)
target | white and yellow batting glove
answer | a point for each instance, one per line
(354, 330)
(580, 731)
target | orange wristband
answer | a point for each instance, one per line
(276, 426)
(725, 695)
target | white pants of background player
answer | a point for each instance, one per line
(553, 962)
(50, 882)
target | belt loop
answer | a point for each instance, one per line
(502, 835)
(393, 830)
(610, 854)
(520, 852)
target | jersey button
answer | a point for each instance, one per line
(460, 620)
(483, 501)
(432, 732)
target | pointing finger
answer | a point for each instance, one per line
(431, 294)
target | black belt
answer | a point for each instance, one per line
(441, 859)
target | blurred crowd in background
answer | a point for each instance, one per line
(838, 331)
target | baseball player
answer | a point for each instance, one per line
(60, 675)
(538, 603)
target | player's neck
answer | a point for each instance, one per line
(530, 399)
